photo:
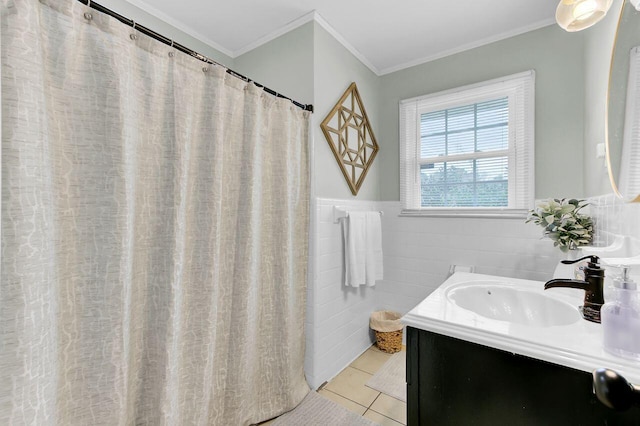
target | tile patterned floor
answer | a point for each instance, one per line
(348, 389)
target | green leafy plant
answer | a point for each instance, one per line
(563, 223)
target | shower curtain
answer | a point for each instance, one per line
(154, 231)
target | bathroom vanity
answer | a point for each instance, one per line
(487, 350)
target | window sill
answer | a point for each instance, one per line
(467, 213)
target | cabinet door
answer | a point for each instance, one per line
(455, 382)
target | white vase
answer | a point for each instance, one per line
(569, 271)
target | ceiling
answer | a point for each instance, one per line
(385, 35)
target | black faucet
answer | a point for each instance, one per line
(593, 285)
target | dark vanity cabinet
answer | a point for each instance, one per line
(455, 382)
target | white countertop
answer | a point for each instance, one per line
(577, 345)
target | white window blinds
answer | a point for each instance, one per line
(630, 164)
(470, 147)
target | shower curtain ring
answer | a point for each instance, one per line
(87, 15)
(171, 52)
(133, 36)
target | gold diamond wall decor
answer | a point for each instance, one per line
(350, 137)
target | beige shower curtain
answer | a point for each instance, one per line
(154, 231)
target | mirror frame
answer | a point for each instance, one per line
(612, 179)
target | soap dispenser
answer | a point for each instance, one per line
(621, 318)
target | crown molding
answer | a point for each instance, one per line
(335, 34)
(469, 46)
(311, 16)
(146, 7)
(275, 34)
(315, 16)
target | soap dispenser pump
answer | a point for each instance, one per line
(621, 318)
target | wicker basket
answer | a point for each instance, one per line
(389, 341)
(388, 329)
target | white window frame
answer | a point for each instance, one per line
(520, 90)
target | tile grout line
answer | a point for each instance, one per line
(373, 402)
(348, 399)
(392, 419)
(360, 369)
(367, 408)
(383, 415)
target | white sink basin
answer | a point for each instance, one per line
(520, 317)
(505, 303)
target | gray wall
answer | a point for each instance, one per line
(555, 55)
(335, 69)
(597, 54)
(598, 45)
(309, 65)
(284, 64)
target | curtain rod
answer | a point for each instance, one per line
(169, 42)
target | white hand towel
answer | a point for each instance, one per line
(374, 269)
(355, 249)
(362, 248)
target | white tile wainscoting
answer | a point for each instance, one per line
(418, 252)
(337, 316)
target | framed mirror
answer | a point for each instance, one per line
(622, 114)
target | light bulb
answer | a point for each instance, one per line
(576, 15)
(584, 10)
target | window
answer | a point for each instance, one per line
(469, 149)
